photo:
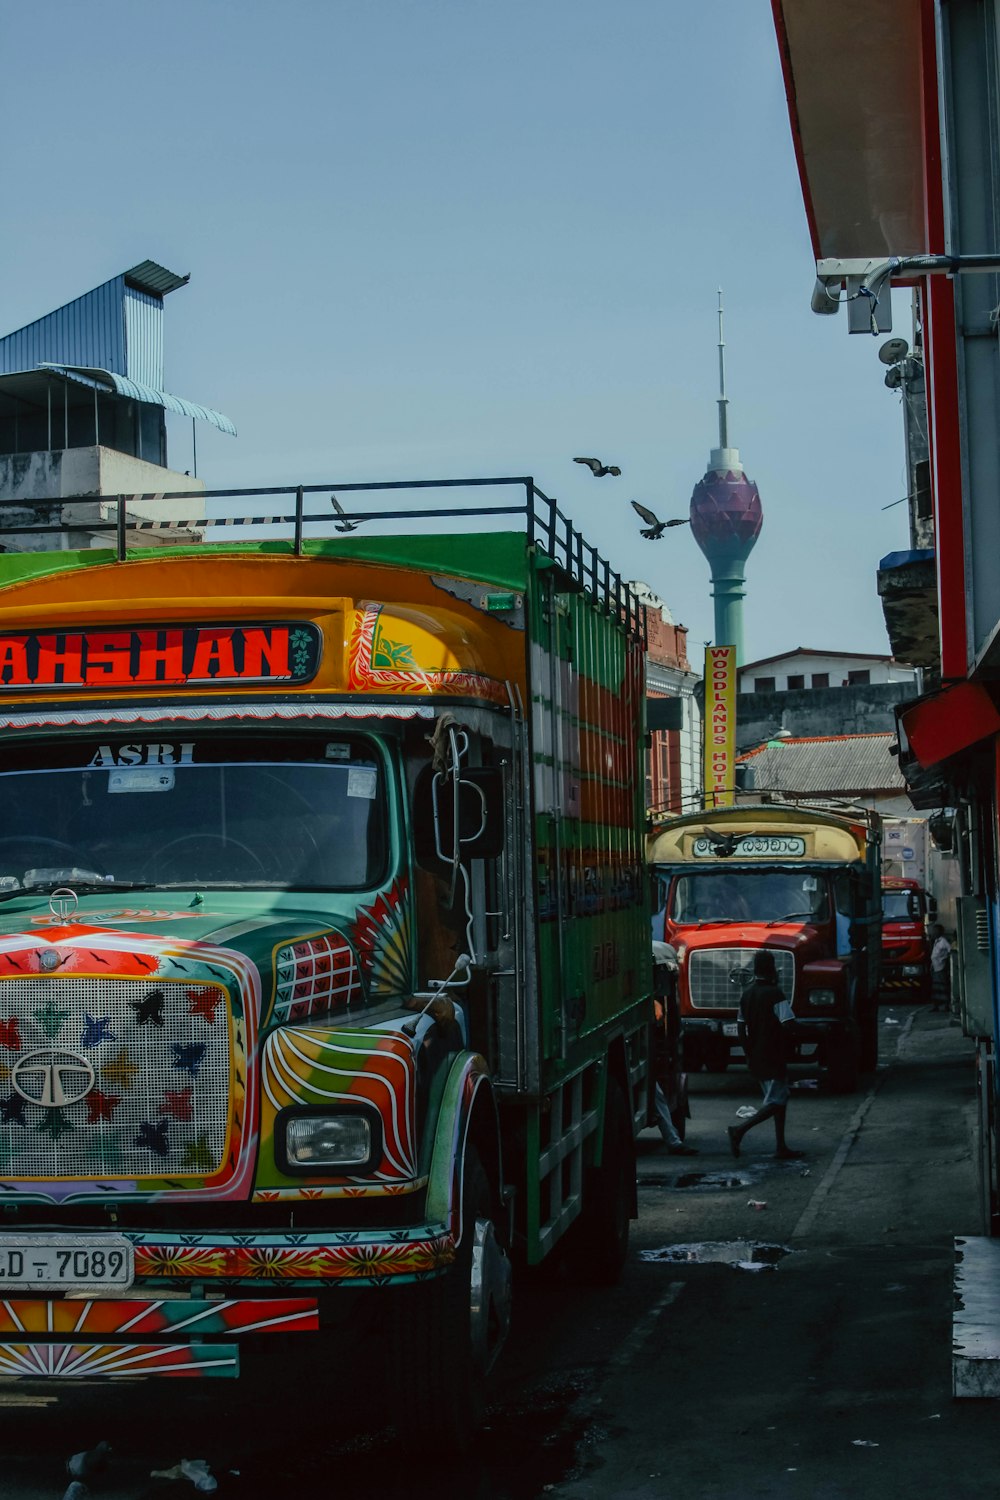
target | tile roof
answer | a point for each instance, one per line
(831, 765)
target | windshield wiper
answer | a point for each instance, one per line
(792, 915)
(81, 888)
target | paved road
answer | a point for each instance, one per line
(826, 1375)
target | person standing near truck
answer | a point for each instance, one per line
(766, 1021)
(940, 968)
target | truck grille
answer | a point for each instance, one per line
(112, 1078)
(716, 976)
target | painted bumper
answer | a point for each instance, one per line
(179, 1335)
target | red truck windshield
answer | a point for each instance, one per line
(749, 896)
(901, 906)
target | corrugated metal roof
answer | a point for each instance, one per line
(116, 326)
(107, 380)
(88, 331)
(835, 765)
(150, 277)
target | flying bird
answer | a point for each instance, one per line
(656, 527)
(343, 524)
(597, 468)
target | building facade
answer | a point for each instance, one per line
(673, 758)
(802, 668)
(83, 414)
(893, 107)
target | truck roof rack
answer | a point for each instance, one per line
(544, 524)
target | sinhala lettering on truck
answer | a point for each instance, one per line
(800, 881)
(324, 947)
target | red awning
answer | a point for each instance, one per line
(946, 723)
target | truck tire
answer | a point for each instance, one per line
(718, 1058)
(447, 1333)
(597, 1245)
(868, 1057)
(842, 1065)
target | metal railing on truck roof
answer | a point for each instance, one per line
(545, 525)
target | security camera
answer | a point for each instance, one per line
(823, 300)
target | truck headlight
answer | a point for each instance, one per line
(821, 997)
(912, 971)
(346, 1140)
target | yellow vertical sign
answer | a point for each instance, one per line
(720, 726)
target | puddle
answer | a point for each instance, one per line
(742, 1255)
(750, 1175)
(703, 1181)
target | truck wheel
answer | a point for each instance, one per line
(718, 1059)
(597, 1244)
(694, 1054)
(842, 1067)
(868, 1059)
(447, 1334)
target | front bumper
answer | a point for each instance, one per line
(136, 1335)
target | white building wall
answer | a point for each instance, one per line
(836, 668)
(26, 478)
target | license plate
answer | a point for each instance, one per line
(43, 1262)
(730, 1029)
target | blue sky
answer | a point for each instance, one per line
(433, 238)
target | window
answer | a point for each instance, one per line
(821, 679)
(763, 684)
(295, 813)
(859, 679)
(751, 896)
(797, 681)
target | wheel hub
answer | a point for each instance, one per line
(490, 1289)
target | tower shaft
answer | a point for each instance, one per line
(728, 593)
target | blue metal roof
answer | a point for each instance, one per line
(117, 326)
(121, 385)
(906, 559)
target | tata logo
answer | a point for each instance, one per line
(52, 1078)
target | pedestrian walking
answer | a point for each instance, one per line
(766, 1022)
(940, 968)
(671, 1135)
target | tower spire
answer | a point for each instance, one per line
(723, 459)
(723, 402)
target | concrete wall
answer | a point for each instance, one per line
(818, 711)
(52, 475)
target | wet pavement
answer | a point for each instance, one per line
(800, 1347)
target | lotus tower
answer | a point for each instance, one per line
(726, 517)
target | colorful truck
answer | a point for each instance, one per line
(803, 882)
(906, 948)
(324, 940)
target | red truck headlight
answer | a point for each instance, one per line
(821, 997)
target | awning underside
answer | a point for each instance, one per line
(120, 385)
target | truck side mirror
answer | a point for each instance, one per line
(480, 812)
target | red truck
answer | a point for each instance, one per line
(801, 881)
(906, 947)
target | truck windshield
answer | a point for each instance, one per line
(296, 813)
(901, 906)
(750, 896)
